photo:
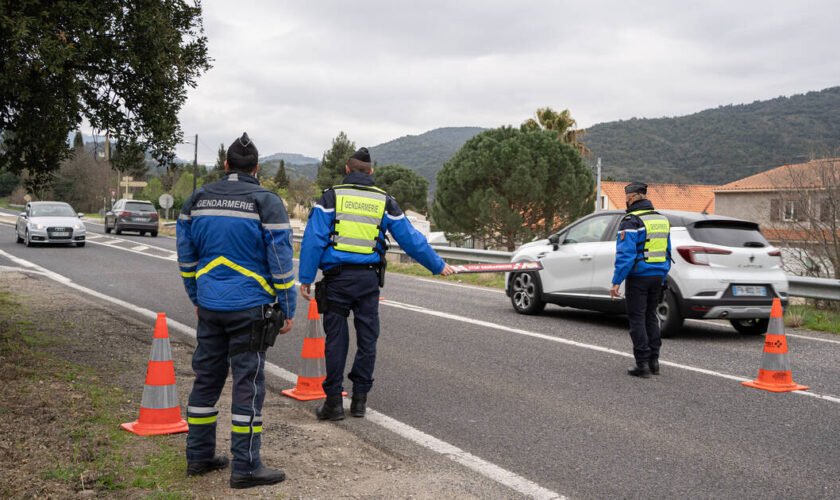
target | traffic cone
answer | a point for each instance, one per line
(160, 412)
(314, 366)
(774, 374)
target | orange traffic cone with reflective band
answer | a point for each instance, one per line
(774, 374)
(314, 366)
(160, 412)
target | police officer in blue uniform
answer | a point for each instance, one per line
(643, 259)
(345, 237)
(235, 255)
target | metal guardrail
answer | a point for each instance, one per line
(811, 288)
(814, 288)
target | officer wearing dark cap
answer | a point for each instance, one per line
(643, 259)
(345, 237)
(235, 255)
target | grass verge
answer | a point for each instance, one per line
(494, 280)
(806, 316)
(78, 410)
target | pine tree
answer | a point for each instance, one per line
(280, 178)
(331, 171)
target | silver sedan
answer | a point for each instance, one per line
(50, 222)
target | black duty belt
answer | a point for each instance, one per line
(345, 267)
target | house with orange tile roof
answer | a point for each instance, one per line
(689, 197)
(791, 202)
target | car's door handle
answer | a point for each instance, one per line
(585, 257)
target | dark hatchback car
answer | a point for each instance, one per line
(132, 215)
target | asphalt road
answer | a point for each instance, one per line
(546, 397)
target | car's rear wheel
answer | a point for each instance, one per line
(525, 293)
(755, 326)
(670, 319)
(107, 229)
(154, 234)
(117, 228)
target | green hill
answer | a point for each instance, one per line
(720, 145)
(425, 153)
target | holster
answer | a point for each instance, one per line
(262, 332)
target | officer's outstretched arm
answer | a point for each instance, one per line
(410, 239)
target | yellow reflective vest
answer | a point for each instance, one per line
(657, 229)
(358, 217)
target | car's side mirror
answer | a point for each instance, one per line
(23, 214)
(80, 215)
(554, 239)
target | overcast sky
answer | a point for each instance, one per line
(295, 73)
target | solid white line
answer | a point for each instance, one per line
(574, 343)
(812, 338)
(483, 467)
(140, 248)
(442, 282)
(708, 323)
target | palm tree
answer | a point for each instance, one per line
(562, 123)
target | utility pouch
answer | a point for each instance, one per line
(321, 296)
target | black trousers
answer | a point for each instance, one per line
(357, 290)
(642, 296)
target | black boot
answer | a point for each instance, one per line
(201, 468)
(653, 363)
(260, 477)
(332, 409)
(640, 370)
(357, 404)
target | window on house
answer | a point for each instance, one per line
(775, 210)
(603, 202)
(788, 210)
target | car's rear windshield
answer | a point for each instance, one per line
(728, 233)
(137, 207)
(53, 210)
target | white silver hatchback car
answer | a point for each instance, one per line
(723, 268)
(49, 222)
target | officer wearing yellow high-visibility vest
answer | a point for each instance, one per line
(345, 237)
(643, 259)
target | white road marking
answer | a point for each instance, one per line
(111, 244)
(483, 467)
(140, 248)
(443, 282)
(812, 338)
(712, 322)
(575, 343)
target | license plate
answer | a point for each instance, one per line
(141, 219)
(749, 291)
(59, 234)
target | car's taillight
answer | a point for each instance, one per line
(154, 216)
(125, 214)
(695, 255)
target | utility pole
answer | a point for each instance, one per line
(195, 164)
(598, 186)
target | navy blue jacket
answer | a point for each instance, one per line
(629, 243)
(316, 250)
(235, 247)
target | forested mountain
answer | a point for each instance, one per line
(720, 145)
(425, 153)
(308, 170)
(290, 159)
